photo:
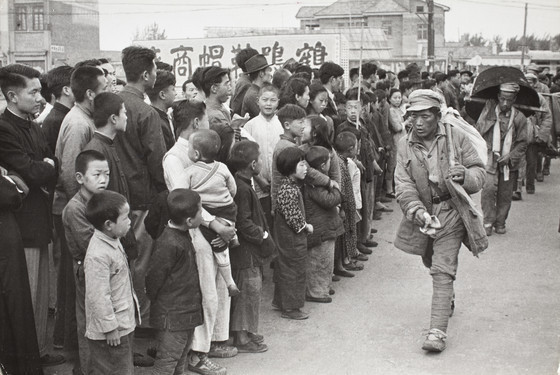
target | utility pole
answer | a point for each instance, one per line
(524, 45)
(431, 47)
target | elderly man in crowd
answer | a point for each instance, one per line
(505, 130)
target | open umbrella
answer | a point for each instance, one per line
(487, 86)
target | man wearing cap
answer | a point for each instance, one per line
(504, 129)
(259, 72)
(535, 70)
(437, 169)
(538, 136)
(243, 82)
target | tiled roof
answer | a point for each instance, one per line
(355, 7)
(308, 12)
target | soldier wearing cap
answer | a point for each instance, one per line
(432, 188)
(259, 72)
(504, 129)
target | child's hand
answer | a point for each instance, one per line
(225, 232)
(334, 185)
(309, 228)
(113, 338)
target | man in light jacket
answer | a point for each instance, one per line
(437, 169)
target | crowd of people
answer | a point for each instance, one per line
(166, 210)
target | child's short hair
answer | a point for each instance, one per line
(103, 206)
(207, 142)
(317, 156)
(345, 141)
(242, 154)
(268, 87)
(352, 94)
(164, 79)
(85, 157)
(290, 112)
(182, 204)
(288, 159)
(105, 104)
(185, 111)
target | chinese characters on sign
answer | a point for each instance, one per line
(187, 55)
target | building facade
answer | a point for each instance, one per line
(47, 33)
(404, 22)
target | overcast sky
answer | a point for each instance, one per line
(119, 19)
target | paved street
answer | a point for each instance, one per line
(506, 319)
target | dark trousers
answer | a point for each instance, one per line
(496, 198)
(534, 163)
(65, 322)
(173, 348)
(111, 360)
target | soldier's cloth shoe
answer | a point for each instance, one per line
(435, 342)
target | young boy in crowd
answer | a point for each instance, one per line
(109, 118)
(111, 304)
(265, 129)
(345, 144)
(291, 228)
(322, 213)
(172, 284)
(92, 174)
(216, 186)
(256, 247)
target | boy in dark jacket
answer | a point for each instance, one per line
(321, 211)
(256, 246)
(172, 283)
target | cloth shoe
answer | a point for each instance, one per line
(530, 189)
(141, 360)
(381, 207)
(377, 215)
(540, 177)
(385, 199)
(335, 278)
(52, 360)
(255, 337)
(222, 351)
(370, 242)
(373, 230)
(199, 363)
(516, 196)
(252, 347)
(435, 341)
(331, 291)
(361, 257)
(343, 273)
(546, 172)
(318, 299)
(363, 249)
(500, 230)
(295, 314)
(354, 266)
(488, 229)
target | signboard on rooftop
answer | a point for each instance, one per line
(185, 55)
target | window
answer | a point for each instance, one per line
(387, 26)
(422, 31)
(38, 18)
(419, 9)
(21, 18)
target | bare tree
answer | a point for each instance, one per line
(150, 32)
